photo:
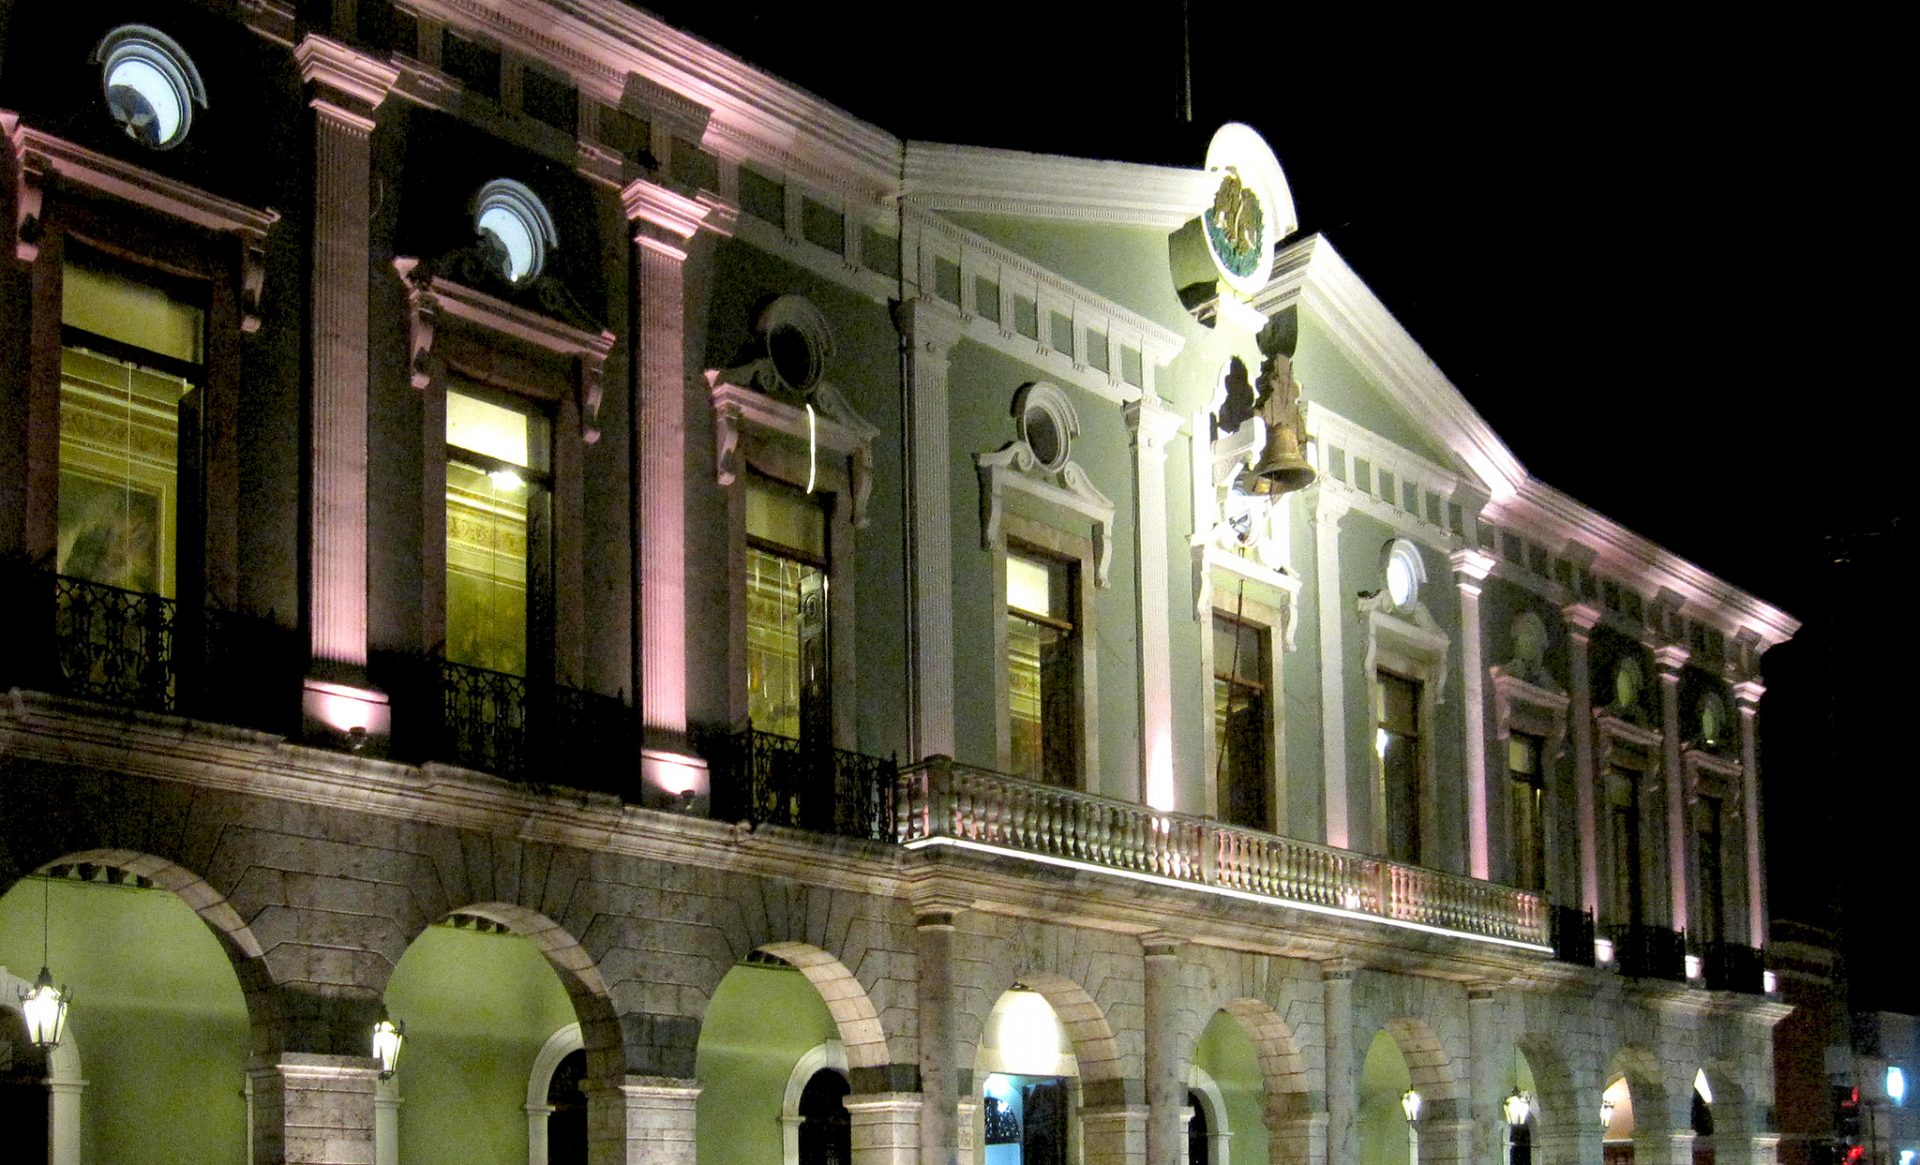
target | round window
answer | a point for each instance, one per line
(797, 340)
(514, 225)
(1046, 422)
(1626, 684)
(1404, 573)
(794, 359)
(151, 85)
(1713, 718)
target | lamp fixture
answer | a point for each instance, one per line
(1896, 1084)
(1606, 1114)
(43, 1005)
(1517, 1107)
(1410, 1102)
(388, 1035)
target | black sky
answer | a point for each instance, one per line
(1666, 258)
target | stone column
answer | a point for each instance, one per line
(1747, 695)
(1342, 1083)
(386, 1122)
(1166, 1089)
(929, 330)
(345, 88)
(886, 1127)
(1470, 570)
(1116, 1134)
(643, 1120)
(1331, 603)
(1571, 1140)
(1153, 424)
(1297, 1140)
(313, 1110)
(1581, 619)
(939, 1085)
(1445, 1135)
(1489, 1071)
(1658, 1146)
(1670, 659)
(665, 222)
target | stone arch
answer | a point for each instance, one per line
(1282, 1069)
(600, 1029)
(1557, 1107)
(1647, 1088)
(864, 1040)
(1732, 1107)
(1094, 1047)
(1434, 1075)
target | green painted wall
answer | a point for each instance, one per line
(1381, 1125)
(758, 1025)
(157, 1017)
(478, 1008)
(1126, 264)
(1300, 676)
(1327, 377)
(1226, 1054)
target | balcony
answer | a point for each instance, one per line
(1572, 935)
(519, 730)
(1733, 967)
(1650, 952)
(766, 779)
(944, 803)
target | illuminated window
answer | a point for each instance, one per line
(1043, 663)
(131, 357)
(788, 666)
(1404, 573)
(1396, 704)
(1525, 793)
(1708, 859)
(1241, 721)
(516, 228)
(151, 85)
(498, 515)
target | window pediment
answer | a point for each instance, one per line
(741, 411)
(1622, 741)
(1710, 775)
(1055, 481)
(1527, 707)
(436, 301)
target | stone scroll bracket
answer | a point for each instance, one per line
(433, 301)
(740, 412)
(1015, 468)
(39, 165)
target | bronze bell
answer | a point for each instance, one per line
(1281, 468)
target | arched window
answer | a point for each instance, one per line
(567, 1123)
(1197, 1131)
(826, 1131)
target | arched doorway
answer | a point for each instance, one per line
(1386, 1136)
(1519, 1136)
(826, 1132)
(1199, 1132)
(765, 1041)
(1028, 1084)
(1227, 1063)
(1616, 1139)
(23, 1087)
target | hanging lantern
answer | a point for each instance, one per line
(1518, 1106)
(388, 1035)
(44, 1007)
(1410, 1102)
(1606, 1115)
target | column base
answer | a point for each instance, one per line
(642, 1120)
(313, 1110)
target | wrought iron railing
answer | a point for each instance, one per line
(1649, 952)
(767, 779)
(533, 733)
(940, 799)
(1570, 930)
(1729, 966)
(114, 645)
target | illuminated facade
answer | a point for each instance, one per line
(753, 638)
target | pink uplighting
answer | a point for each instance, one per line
(347, 710)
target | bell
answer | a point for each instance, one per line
(1281, 468)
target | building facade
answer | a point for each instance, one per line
(756, 639)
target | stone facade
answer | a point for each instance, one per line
(307, 780)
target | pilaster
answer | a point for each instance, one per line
(1153, 425)
(345, 88)
(1670, 659)
(313, 1110)
(928, 332)
(1581, 620)
(1470, 570)
(1489, 1069)
(1166, 1087)
(1116, 1135)
(939, 1085)
(1325, 516)
(1746, 695)
(1337, 993)
(665, 223)
(643, 1120)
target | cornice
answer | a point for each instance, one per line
(975, 179)
(663, 208)
(347, 71)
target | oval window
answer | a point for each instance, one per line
(514, 225)
(1404, 573)
(151, 85)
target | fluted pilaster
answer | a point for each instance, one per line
(928, 333)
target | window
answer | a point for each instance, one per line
(498, 514)
(789, 684)
(1629, 892)
(130, 360)
(1396, 701)
(826, 1131)
(1404, 572)
(1709, 922)
(1043, 663)
(515, 226)
(1526, 793)
(151, 85)
(1241, 721)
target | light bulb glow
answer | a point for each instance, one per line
(1410, 1102)
(1606, 1115)
(1517, 1107)
(505, 480)
(388, 1036)
(1896, 1084)
(44, 1007)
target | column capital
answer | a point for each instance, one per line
(667, 218)
(1581, 618)
(1159, 945)
(1670, 658)
(348, 84)
(1470, 564)
(928, 324)
(1747, 695)
(1326, 506)
(1152, 422)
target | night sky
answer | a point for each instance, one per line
(1660, 257)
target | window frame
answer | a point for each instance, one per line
(1709, 776)
(825, 503)
(1620, 746)
(1028, 538)
(540, 619)
(1266, 622)
(1521, 706)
